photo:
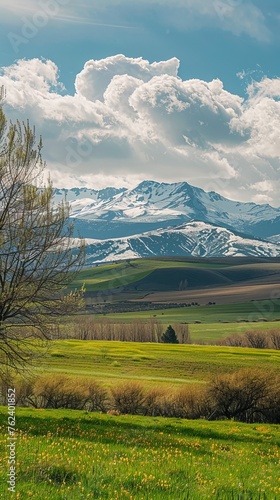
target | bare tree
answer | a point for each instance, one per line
(37, 257)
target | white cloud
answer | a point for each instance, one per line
(94, 79)
(130, 120)
(266, 186)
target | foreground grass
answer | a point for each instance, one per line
(63, 454)
(111, 362)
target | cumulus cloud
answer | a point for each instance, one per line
(96, 75)
(131, 120)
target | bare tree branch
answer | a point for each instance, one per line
(37, 258)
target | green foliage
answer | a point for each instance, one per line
(169, 336)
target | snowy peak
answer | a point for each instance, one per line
(153, 205)
(196, 239)
(75, 194)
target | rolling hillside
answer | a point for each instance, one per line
(145, 284)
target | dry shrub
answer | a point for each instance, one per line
(242, 395)
(154, 402)
(128, 397)
(160, 402)
(234, 340)
(96, 397)
(60, 392)
(168, 405)
(256, 339)
(274, 336)
(270, 410)
(24, 387)
(25, 392)
(186, 402)
(191, 402)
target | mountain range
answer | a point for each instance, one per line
(170, 219)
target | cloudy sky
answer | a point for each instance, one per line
(169, 90)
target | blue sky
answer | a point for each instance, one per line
(98, 139)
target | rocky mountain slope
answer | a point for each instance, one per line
(151, 205)
(196, 239)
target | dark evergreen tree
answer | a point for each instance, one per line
(169, 336)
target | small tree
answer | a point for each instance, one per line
(169, 336)
(37, 258)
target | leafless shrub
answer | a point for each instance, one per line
(274, 336)
(234, 340)
(256, 339)
(269, 411)
(191, 402)
(60, 392)
(154, 402)
(96, 397)
(183, 333)
(240, 395)
(128, 397)
(168, 405)
(25, 393)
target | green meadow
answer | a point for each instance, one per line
(71, 455)
(123, 273)
(209, 332)
(247, 312)
(111, 362)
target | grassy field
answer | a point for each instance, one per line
(213, 331)
(122, 273)
(114, 362)
(249, 312)
(166, 274)
(70, 455)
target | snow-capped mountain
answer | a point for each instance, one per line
(196, 239)
(84, 198)
(111, 212)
